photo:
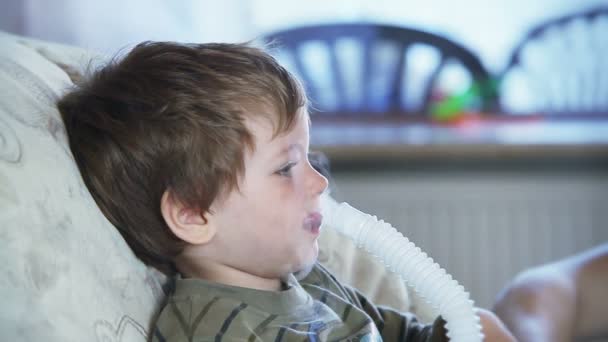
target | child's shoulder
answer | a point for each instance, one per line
(321, 277)
(200, 309)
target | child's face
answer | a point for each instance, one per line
(270, 228)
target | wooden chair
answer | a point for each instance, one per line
(382, 86)
(560, 67)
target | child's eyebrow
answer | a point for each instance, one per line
(291, 147)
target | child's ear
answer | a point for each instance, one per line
(186, 223)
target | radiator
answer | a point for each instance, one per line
(484, 228)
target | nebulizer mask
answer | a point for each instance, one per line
(427, 278)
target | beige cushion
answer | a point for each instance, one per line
(358, 268)
(67, 273)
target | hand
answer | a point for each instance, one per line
(493, 328)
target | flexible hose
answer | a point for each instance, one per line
(429, 280)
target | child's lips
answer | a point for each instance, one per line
(313, 222)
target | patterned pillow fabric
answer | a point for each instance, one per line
(67, 274)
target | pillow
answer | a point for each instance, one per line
(357, 267)
(67, 273)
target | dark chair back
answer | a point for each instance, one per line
(560, 67)
(382, 85)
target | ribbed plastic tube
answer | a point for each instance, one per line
(429, 280)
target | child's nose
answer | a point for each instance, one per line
(319, 182)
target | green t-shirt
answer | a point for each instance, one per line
(317, 308)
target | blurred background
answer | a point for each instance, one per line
(479, 128)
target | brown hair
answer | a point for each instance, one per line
(171, 116)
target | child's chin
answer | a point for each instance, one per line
(304, 271)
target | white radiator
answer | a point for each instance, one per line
(484, 228)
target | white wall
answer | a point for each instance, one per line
(489, 27)
(484, 227)
(110, 25)
(11, 16)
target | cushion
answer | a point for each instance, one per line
(67, 273)
(357, 267)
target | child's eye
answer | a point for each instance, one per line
(286, 170)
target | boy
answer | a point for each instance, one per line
(198, 154)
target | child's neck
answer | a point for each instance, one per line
(228, 276)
